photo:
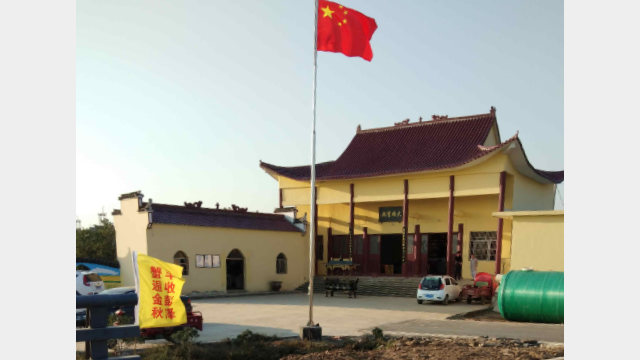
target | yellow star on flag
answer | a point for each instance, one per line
(327, 12)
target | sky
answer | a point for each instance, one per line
(181, 100)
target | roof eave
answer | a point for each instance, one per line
(265, 166)
(519, 159)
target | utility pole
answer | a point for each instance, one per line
(102, 215)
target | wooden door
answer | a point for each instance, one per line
(358, 255)
(373, 266)
(424, 256)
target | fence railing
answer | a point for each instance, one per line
(97, 334)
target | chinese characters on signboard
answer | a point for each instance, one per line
(390, 214)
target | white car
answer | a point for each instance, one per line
(88, 283)
(441, 288)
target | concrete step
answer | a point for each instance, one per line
(373, 286)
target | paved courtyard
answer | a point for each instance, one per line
(282, 315)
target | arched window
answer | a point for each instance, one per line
(281, 264)
(181, 259)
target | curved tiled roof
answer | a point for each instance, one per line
(298, 172)
(442, 143)
(181, 215)
(555, 177)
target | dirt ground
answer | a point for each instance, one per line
(480, 315)
(445, 349)
(375, 346)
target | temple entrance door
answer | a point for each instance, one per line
(358, 256)
(391, 254)
(437, 253)
(235, 270)
(424, 260)
(373, 263)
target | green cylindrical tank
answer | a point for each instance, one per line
(533, 296)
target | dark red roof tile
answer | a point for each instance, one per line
(409, 147)
(180, 215)
(555, 177)
(299, 172)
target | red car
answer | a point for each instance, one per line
(482, 289)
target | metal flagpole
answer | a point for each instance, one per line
(136, 277)
(312, 230)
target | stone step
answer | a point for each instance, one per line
(373, 286)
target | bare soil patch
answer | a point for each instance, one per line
(375, 346)
(480, 315)
(442, 348)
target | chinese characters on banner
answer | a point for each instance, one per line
(160, 286)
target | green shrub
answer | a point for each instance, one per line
(185, 336)
(377, 333)
(247, 337)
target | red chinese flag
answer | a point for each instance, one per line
(344, 30)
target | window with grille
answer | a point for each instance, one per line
(483, 245)
(424, 238)
(410, 244)
(181, 259)
(281, 264)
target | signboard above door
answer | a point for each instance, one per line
(390, 214)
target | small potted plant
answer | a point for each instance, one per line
(275, 285)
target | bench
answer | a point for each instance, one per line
(332, 285)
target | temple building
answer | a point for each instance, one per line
(219, 249)
(402, 200)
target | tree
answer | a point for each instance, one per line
(97, 242)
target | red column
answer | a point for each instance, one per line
(280, 200)
(503, 178)
(351, 216)
(460, 243)
(365, 251)
(329, 244)
(405, 224)
(450, 228)
(417, 252)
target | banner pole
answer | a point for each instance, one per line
(136, 277)
(312, 230)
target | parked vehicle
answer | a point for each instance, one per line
(88, 283)
(442, 288)
(482, 289)
(194, 318)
